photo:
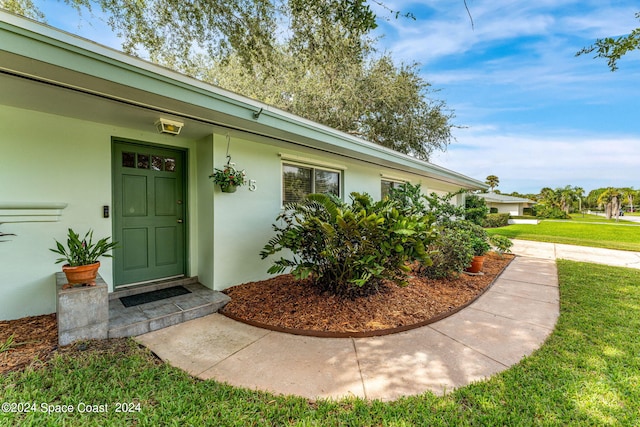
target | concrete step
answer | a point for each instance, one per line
(152, 286)
(140, 319)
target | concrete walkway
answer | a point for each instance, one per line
(508, 322)
(576, 253)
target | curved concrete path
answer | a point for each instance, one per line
(508, 322)
(554, 251)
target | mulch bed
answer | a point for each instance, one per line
(281, 303)
(34, 341)
(285, 304)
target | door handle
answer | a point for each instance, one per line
(180, 221)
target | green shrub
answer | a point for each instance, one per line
(349, 250)
(478, 237)
(494, 220)
(501, 244)
(475, 209)
(408, 199)
(551, 213)
(451, 253)
(442, 210)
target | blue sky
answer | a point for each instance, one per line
(530, 111)
(533, 114)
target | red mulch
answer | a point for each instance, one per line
(284, 303)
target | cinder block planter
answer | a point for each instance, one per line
(82, 312)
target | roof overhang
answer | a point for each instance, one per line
(45, 69)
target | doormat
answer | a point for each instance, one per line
(152, 296)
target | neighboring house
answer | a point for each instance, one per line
(80, 149)
(506, 204)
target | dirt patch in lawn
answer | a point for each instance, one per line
(285, 304)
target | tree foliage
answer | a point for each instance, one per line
(313, 58)
(492, 181)
(614, 48)
(559, 203)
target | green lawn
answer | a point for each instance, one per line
(621, 235)
(587, 373)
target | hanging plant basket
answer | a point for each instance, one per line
(228, 178)
(228, 188)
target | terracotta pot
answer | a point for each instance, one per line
(80, 275)
(476, 265)
(228, 188)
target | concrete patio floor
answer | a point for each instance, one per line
(508, 322)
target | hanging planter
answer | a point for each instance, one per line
(228, 178)
(228, 188)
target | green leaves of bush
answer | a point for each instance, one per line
(346, 249)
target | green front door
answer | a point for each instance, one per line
(149, 212)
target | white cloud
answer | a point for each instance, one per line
(527, 163)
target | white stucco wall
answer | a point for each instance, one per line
(243, 220)
(47, 158)
(514, 209)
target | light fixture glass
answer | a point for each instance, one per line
(169, 126)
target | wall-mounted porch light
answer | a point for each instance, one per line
(169, 126)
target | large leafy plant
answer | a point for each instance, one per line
(451, 253)
(82, 251)
(348, 250)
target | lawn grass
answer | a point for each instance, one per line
(621, 235)
(587, 373)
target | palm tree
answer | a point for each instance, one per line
(492, 181)
(629, 194)
(566, 195)
(579, 193)
(610, 198)
(549, 197)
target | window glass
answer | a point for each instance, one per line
(156, 163)
(386, 186)
(129, 160)
(170, 164)
(327, 182)
(296, 182)
(143, 161)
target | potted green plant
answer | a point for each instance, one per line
(81, 257)
(480, 247)
(229, 178)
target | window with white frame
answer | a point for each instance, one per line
(387, 185)
(299, 180)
